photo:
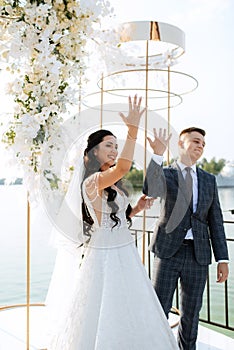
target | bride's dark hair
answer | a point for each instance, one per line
(92, 165)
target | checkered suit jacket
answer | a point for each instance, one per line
(176, 216)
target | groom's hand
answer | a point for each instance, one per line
(160, 141)
(222, 272)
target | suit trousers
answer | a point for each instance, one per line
(182, 267)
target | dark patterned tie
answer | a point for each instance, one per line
(189, 186)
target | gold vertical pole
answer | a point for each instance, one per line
(168, 111)
(28, 276)
(101, 114)
(145, 141)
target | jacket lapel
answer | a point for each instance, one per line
(200, 188)
(180, 180)
(181, 204)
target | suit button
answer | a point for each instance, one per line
(185, 229)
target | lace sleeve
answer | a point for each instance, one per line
(92, 197)
(90, 188)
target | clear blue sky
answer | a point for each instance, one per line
(209, 56)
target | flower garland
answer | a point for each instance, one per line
(44, 46)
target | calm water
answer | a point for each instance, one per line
(13, 229)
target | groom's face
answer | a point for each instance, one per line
(192, 145)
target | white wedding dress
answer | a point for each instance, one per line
(112, 305)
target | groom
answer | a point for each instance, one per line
(190, 223)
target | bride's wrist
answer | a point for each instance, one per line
(132, 134)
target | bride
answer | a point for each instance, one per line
(111, 304)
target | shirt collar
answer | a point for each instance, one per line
(183, 166)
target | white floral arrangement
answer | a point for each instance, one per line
(43, 44)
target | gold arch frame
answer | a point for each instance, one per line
(146, 32)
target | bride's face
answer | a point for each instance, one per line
(107, 151)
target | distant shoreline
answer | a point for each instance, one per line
(222, 182)
(18, 181)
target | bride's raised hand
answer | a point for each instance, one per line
(132, 121)
(134, 113)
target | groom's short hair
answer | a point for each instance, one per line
(192, 129)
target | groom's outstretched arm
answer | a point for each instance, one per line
(155, 184)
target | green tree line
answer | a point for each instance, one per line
(135, 176)
(213, 166)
